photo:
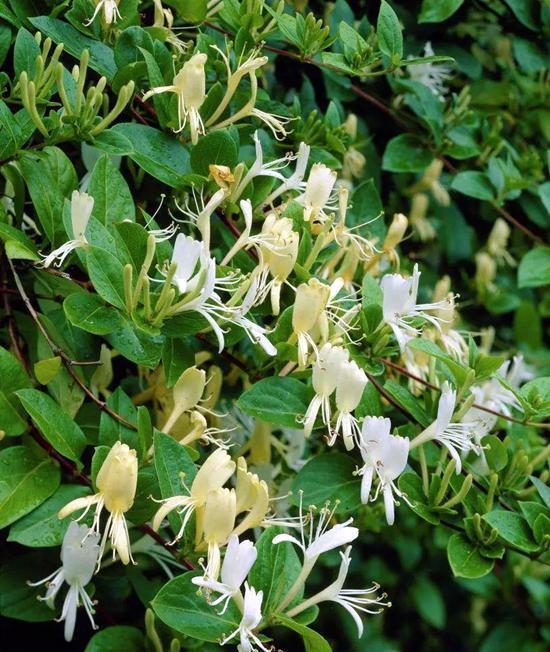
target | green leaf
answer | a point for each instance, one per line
(276, 400)
(106, 274)
(429, 602)
(216, 148)
(275, 569)
(179, 606)
(9, 132)
(54, 424)
(101, 56)
(436, 11)
(113, 200)
(543, 489)
(88, 312)
(191, 11)
(388, 30)
(112, 430)
(474, 184)
(513, 528)
(526, 12)
(177, 356)
(411, 485)
(329, 477)
(534, 268)
(465, 559)
(408, 401)
(405, 153)
(136, 345)
(160, 155)
(26, 480)
(25, 52)
(118, 637)
(42, 528)
(495, 452)
(12, 378)
(46, 370)
(313, 642)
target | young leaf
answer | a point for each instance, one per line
(388, 30)
(465, 559)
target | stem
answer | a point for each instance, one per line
(300, 581)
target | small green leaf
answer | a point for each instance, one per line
(107, 275)
(436, 11)
(313, 642)
(388, 30)
(113, 200)
(118, 637)
(276, 400)
(47, 370)
(89, 312)
(474, 184)
(534, 268)
(465, 559)
(513, 528)
(405, 153)
(216, 148)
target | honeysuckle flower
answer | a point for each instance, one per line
(353, 600)
(347, 238)
(486, 272)
(385, 458)
(116, 482)
(295, 181)
(451, 340)
(252, 617)
(418, 219)
(252, 497)
(309, 311)
(497, 243)
(79, 555)
(190, 87)
(349, 389)
(149, 547)
(432, 75)
(454, 436)
(110, 12)
(82, 205)
(399, 306)
(202, 214)
(213, 474)
(187, 393)
(239, 559)
(317, 193)
(394, 236)
(219, 520)
(325, 376)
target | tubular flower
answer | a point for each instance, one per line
(202, 215)
(317, 193)
(309, 312)
(190, 87)
(110, 12)
(295, 180)
(81, 210)
(252, 617)
(213, 474)
(349, 389)
(116, 482)
(399, 306)
(239, 559)
(219, 519)
(252, 497)
(325, 375)
(353, 600)
(385, 457)
(79, 556)
(454, 436)
(432, 75)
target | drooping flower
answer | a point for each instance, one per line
(110, 12)
(79, 555)
(353, 600)
(295, 180)
(116, 482)
(349, 390)
(317, 193)
(213, 474)
(309, 312)
(190, 87)
(385, 458)
(82, 205)
(239, 559)
(432, 75)
(399, 306)
(220, 510)
(252, 617)
(325, 375)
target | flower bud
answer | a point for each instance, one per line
(350, 386)
(191, 81)
(213, 474)
(486, 269)
(117, 478)
(189, 389)
(81, 209)
(281, 250)
(396, 231)
(319, 186)
(309, 304)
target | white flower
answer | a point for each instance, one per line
(385, 457)
(82, 205)
(353, 600)
(252, 617)
(239, 559)
(317, 194)
(349, 390)
(295, 181)
(454, 436)
(190, 87)
(431, 75)
(200, 217)
(110, 11)
(399, 306)
(79, 555)
(116, 482)
(325, 374)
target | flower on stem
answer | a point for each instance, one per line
(349, 389)
(454, 436)
(82, 205)
(353, 600)
(399, 306)
(116, 482)
(239, 559)
(309, 312)
(252, 617)
(317, 193)
(295, 180)
(213, 474)
(252, 498)
(110, 12)
(325, 376)
(219, 520)
(190, 87)
(201, 216)
(79, 555)
(385, 457)
(432, 75)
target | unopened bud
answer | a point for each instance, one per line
(310, 302)
(396, 232)
(117, 478)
